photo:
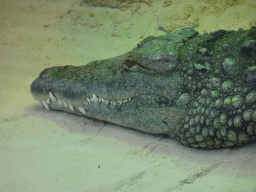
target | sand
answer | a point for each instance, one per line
(55, 151)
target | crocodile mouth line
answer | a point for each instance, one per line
(89, 100)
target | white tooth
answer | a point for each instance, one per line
(65, 104)
(48, 101)
(81, 109)
(120, 102)
(89, 101)
(71, 107)
(53, 98)
(39, 103)
(95, 98)
(129, 99)
(100, 100)
(45, 105)
(114, 103)
(124, 101)
(59, 102)
(86, 103)
(107, 102)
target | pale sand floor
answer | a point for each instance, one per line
(54, 151)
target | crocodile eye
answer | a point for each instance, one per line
(162, 64)
(131, 62)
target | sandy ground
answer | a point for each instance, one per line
(54, 151)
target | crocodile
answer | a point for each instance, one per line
(199, 89)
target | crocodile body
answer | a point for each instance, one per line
(198, 89)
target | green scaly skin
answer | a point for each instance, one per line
(198, 89)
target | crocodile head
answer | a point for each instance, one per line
(198, 89)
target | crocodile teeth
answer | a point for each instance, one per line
(81, 109)
(86, 103)
(71, 107)
(48, 101)
(95, 98)
(65, 104)
(53, 98)
(113, 102)
(45, 105)
(39, 103)
(59, 102)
